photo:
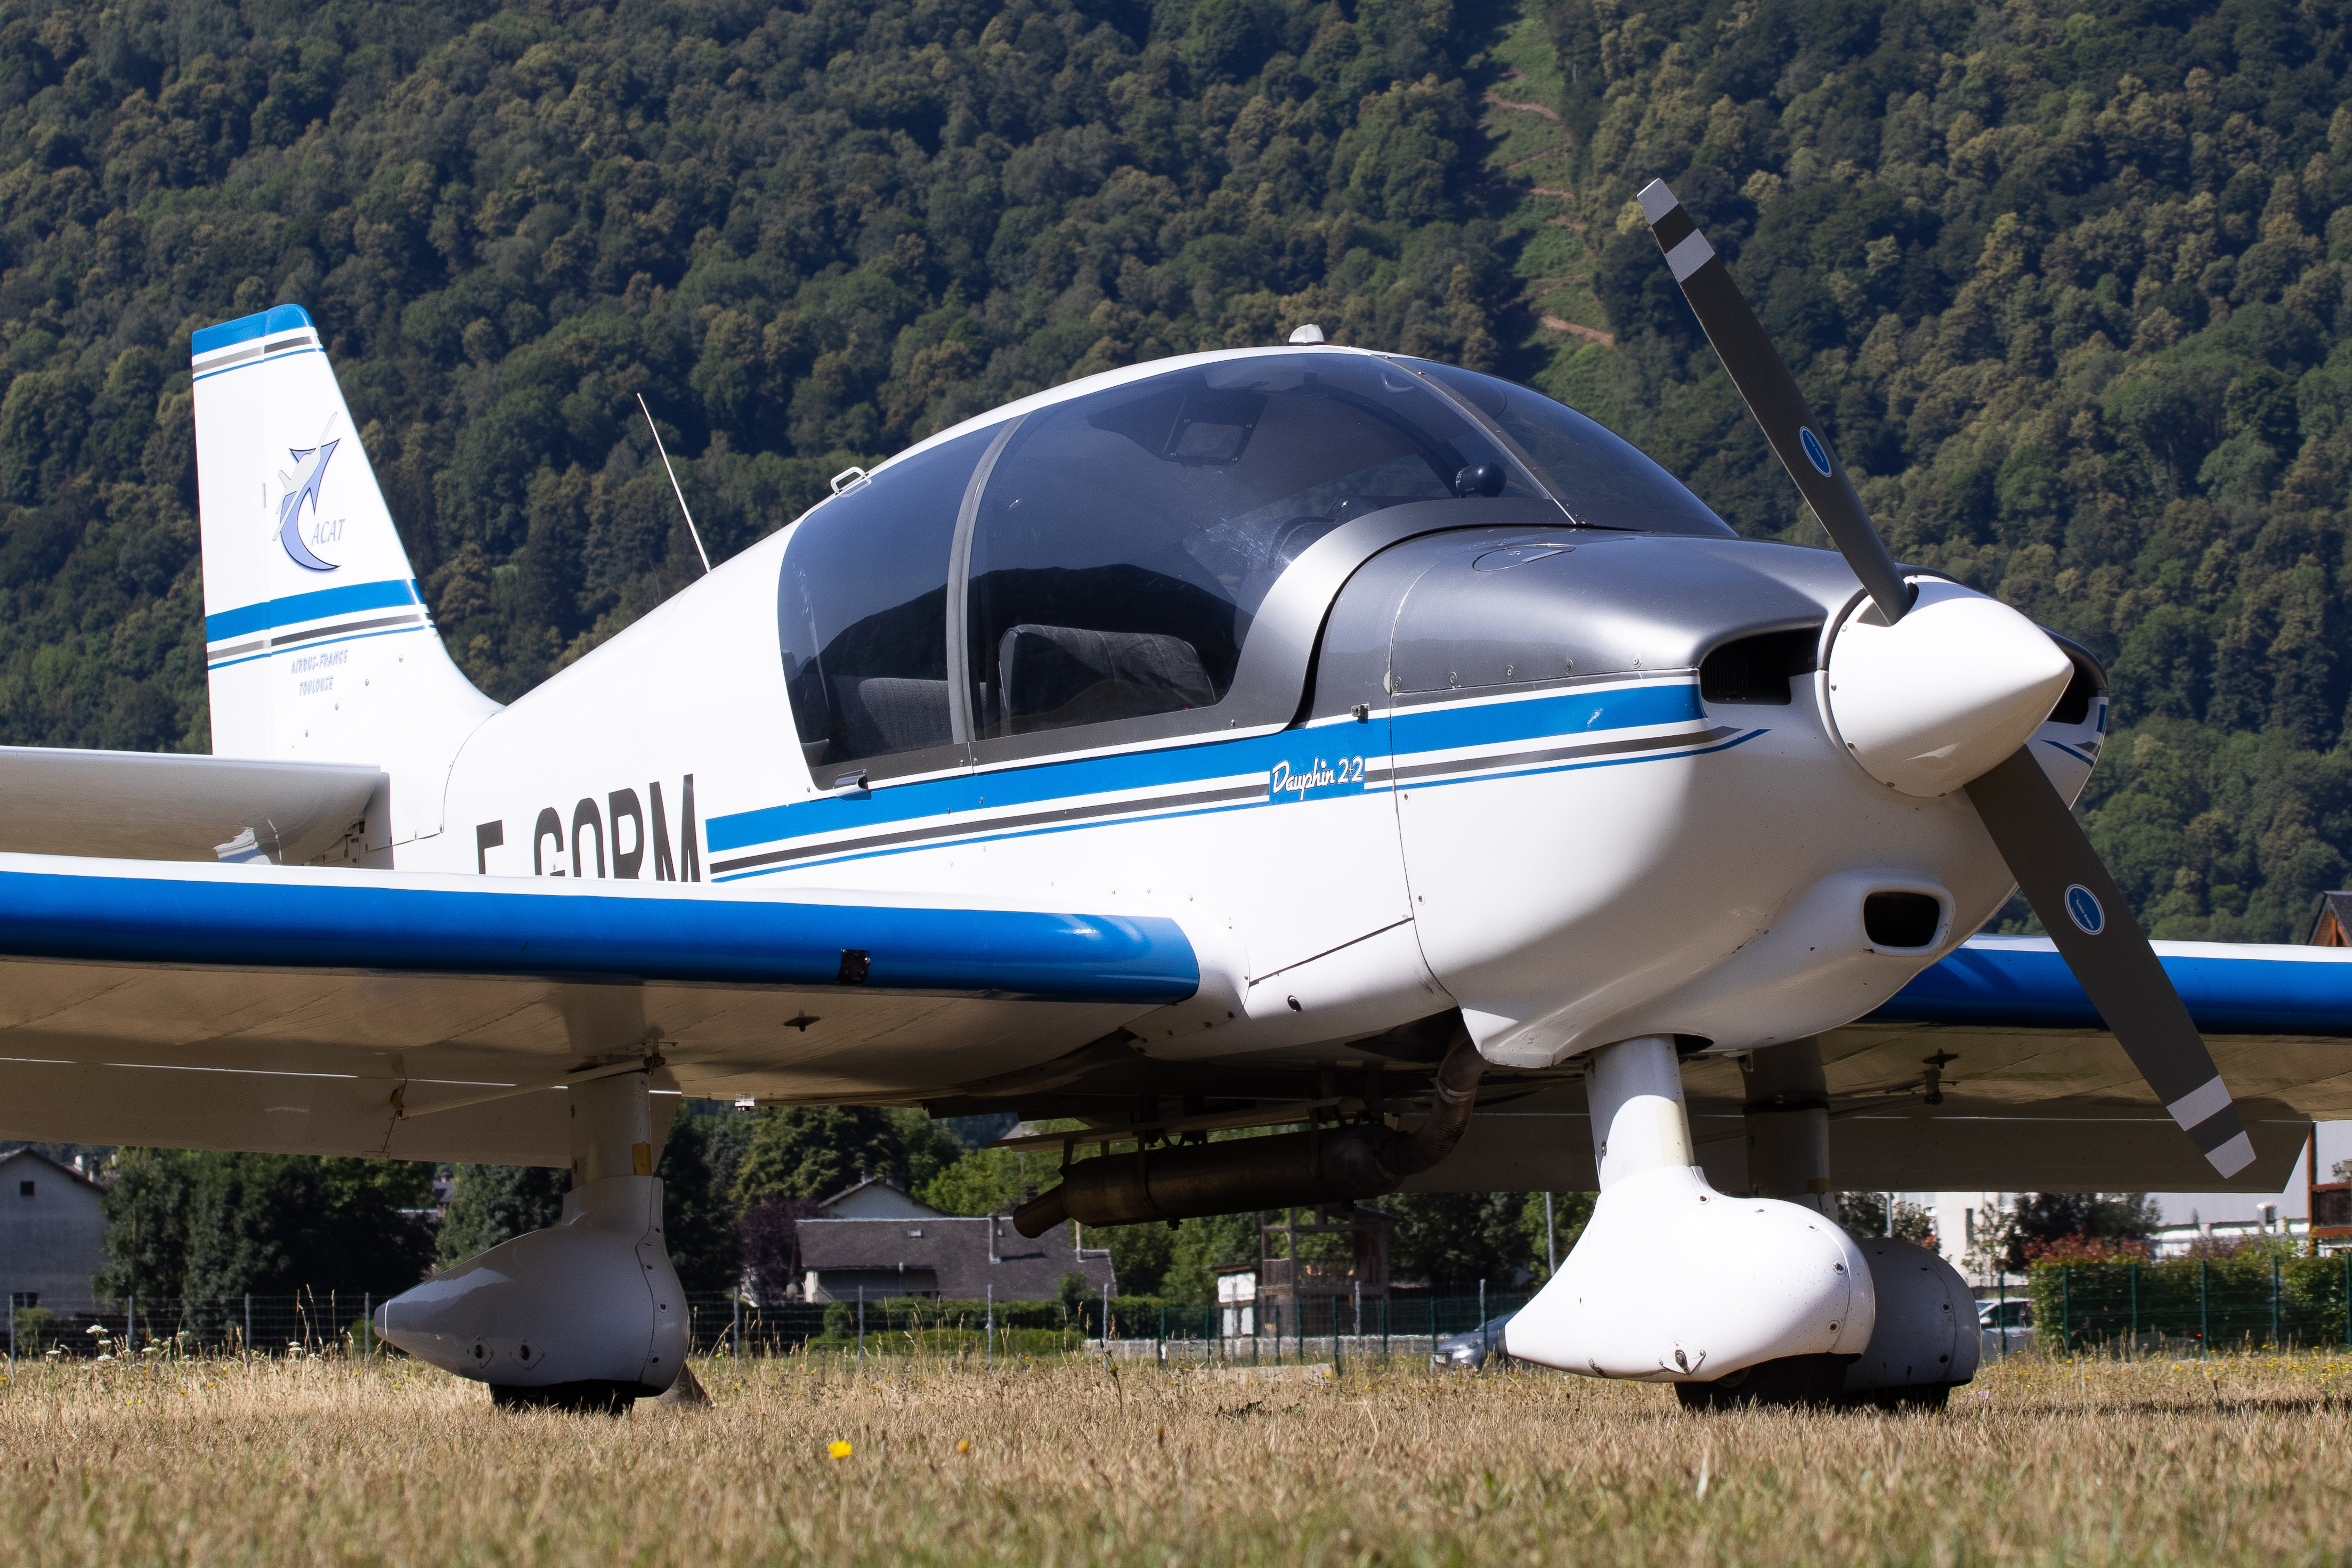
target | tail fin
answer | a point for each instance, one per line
(318, 644)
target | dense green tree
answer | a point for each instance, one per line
(817, 1151)
(1453, 1240)
(211, 1227)
(491, 1203)
(1570, 1210)
(697, 1220)
(988, 1181)
(146, 1207)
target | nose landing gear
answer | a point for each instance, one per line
(1922, 1340)
(1672, 1281)
(1761, 1299)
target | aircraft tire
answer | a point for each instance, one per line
(1792, 1380)
(595, 1396)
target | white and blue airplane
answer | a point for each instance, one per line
(1303, 737)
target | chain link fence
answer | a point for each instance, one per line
(2192, 1305)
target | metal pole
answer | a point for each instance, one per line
(2204, 1328)
(735, 1327)
(861, 1328)
(1105, 1324)
(248, 1322)
(992, 1328)
(2274, 1296)
(2133, 1269)
(2001, 1309)
(1551, 1242)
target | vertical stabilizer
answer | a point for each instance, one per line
(318, 643)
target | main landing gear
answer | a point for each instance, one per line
(584, 1315)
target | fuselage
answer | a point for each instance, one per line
(1563, 763)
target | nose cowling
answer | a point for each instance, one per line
(1930, 703)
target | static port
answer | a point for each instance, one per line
(1901, 919)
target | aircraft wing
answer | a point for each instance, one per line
(172, 806)
(1991, 1071)
(313, 1010)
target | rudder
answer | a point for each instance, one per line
(318, 643)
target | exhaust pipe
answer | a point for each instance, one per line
(1297, 1169)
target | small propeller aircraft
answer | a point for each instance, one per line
(1299, 737)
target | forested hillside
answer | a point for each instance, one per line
(2068, 283)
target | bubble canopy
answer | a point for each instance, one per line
(1101, 559)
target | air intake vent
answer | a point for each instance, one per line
(2075, 702)
(1901, 919)
(1758, 669)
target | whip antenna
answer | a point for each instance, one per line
(692, 532)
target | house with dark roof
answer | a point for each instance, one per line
(875, 1198)
(52, 1232)
(2334, 927)
(944, 1256)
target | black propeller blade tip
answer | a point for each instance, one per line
(1772, 396)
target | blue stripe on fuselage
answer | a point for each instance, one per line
(1572, 714)
(2020, 983)
(283, 923)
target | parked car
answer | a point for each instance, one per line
(1475, 1348)
(2005, 1325)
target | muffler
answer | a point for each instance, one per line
(1334, 1164)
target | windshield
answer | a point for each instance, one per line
(1125, 540)
(1603, 480)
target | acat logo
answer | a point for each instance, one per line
(619, 822)
(301, 486)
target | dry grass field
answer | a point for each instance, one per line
(2237, 1460)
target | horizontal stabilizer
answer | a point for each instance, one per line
(171, 806)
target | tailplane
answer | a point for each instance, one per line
(318, 643)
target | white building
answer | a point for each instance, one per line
(2188, 1215)
(52, 1232)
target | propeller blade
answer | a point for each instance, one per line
(1771, 395)
(2046, 849)
(2102, 942)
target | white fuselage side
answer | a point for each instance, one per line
(1571, 865)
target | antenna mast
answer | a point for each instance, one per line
(692, 532)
